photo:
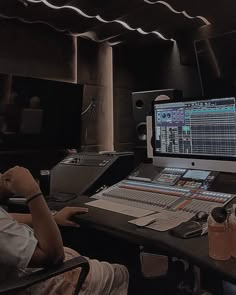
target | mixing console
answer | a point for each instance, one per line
(157, 197)
(145, 200)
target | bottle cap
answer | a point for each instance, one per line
(219, 214)
(44, 172)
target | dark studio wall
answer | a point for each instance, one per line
(36, 51)
(158, 66)
(108, 74)
(142, 67)
(175, 74)
(215, 49)
(40, 52)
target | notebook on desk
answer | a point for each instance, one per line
(162, 221)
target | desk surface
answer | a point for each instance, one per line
(195, 250)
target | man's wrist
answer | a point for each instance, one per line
(33, 197)
(31, 194)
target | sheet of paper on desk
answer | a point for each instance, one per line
(120, 208)
(165, 220)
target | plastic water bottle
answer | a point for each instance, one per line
(232, 231)
(218, 234)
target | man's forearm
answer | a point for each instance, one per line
(25, 218)
(46, 230)
(49, 247)
(22, 218)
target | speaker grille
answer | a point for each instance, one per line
(141, 131)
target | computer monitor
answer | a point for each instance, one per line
(41, 114)
(197, 134)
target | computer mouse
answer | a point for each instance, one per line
(80, 213)
(76, 215)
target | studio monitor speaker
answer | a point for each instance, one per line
(142, 107)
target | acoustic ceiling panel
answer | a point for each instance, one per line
(104, 20)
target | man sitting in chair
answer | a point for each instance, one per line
(33, 241)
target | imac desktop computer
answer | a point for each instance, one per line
(195, 134)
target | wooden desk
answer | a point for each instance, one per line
(194, 250)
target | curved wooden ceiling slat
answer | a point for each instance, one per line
(92, 7)
(215, 11)
(157, 19)
(68, 20)
(138, 17)
(110, 9)
(122, 19)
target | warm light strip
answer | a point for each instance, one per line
(99, 18)
(206, 22)
(75, 60)
(114, 43)
(153, 32)
(124, 24)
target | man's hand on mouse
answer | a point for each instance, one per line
(63, 216)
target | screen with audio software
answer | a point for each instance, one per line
(201, 128)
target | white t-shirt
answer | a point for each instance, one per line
(17, 245)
